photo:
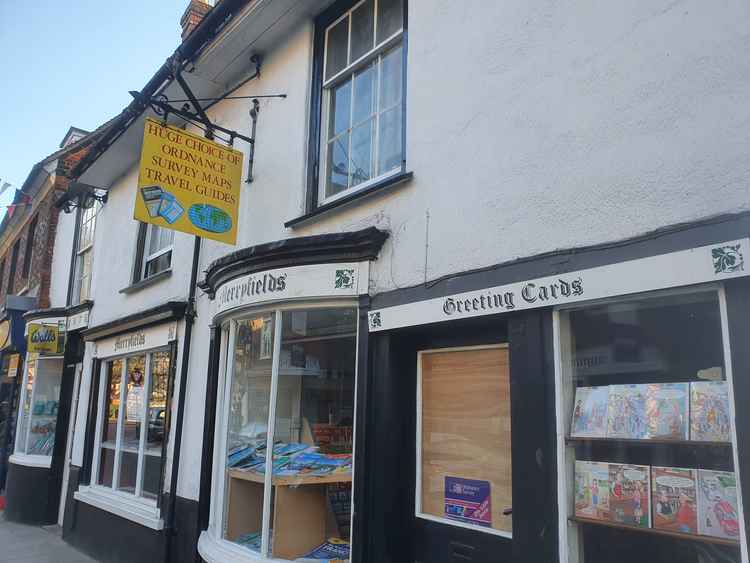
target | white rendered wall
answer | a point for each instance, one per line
(114, 256)
(531, 127)
(61, 254)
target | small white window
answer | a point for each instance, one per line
(84, 254)
(157, 253)
(363, 112)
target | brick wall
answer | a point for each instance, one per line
(37, 283)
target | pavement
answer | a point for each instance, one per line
(35, 544)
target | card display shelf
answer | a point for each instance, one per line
(572, 440)
(654, 531)
(291, 480)
(302, 517)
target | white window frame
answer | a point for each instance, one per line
(82, 250)
(147, 258)
(347, 73)
(21, 445)
(212, 545)
(418, 490)
(112, 491)
(568, 538)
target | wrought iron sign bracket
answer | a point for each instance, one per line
(192, 111)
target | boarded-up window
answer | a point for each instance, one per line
(464, 453)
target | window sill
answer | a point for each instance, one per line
(124, 505)
(376, 188)
(147, 282)
(29, 460)
(214, 550)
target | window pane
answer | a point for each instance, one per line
(313, 431)
(157, 412)
(158, 264)
(341, 99)
(247, 429)
(337, 47)
(363, 28)
(644, 382)
(109, 428)
(391, 78)
(364, 94)
(466, 437)
(361, 165)
(25, 414)
(46, 397)
(390, 18)
(338, 160)
(132, 422)
(390, 153)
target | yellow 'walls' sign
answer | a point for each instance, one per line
(43, 339)
(188, 183)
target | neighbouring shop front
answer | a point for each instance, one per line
(51, 374)
(585, 407)
(12, 353)
(281, 444)
(116, 501)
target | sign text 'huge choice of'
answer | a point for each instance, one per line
(188, 183)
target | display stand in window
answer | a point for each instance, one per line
(648, 462)
(290, 383)
(40, 400)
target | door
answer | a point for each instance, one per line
(69, 444)
(463, 447)
(460, 450)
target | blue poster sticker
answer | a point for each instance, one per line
(468, 500)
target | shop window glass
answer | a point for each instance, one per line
(247, 430)
(39, 405)
(464, 447)
(157, 413)
(110, 416)
(305, 385)
(648, 453)
(132, 422)
(133, 413)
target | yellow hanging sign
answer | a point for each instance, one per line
(188, 183)
(43, 339)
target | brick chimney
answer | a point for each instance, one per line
(195, 12)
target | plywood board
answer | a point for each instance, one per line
(465, 426)
(245, 510)
(299, 520)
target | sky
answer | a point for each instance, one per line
(72, 63)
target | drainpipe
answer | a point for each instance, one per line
(169, 527)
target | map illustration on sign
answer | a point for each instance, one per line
(209, 218)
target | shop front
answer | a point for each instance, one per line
(116, 499)
(281, 443)
(582, 408)
(48, 382)
(12, 353)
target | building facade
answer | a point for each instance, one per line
(37, 387)
(487, 301)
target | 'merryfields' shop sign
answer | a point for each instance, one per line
(698, 265)
(136, 341)
(297, 282)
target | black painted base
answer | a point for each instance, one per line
(29, 495)
(112, 539)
